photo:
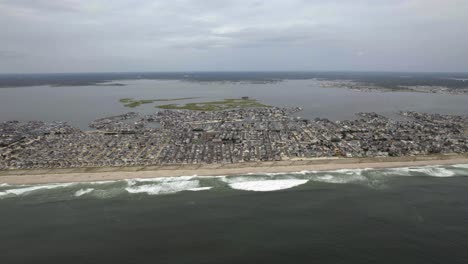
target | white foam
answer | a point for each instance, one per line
(434, 171)
(211, 177)
(397, 171)
(200, 189)
(4, 185)
(164, 187)
(463, 166)
(351, 171)
(339, 179)
(26, 190)
(83, 192)
(236, 179)
(132, 182)
(271, 173)
(267, 185)
(304, 172)
(99, 182)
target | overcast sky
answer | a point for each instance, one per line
(233, 35)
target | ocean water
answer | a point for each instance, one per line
(403, 215)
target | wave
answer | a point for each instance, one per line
(397, 172)
(249, 182)
(164, 187)
(339, 178)
(135, 181)
(236, 179)
(267, 185)
(200, 189)
(82, 192)
(304, 172)
(26, 190)
(107, 193)
(461, 166)
(100, 182)
(351, 171)
(434, 171)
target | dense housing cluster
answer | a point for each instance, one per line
(232, 136)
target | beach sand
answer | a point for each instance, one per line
(41, 176)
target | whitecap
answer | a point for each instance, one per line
(351, 171)
(4, 185)
(99, 182)
(212, 177)
(304, 172)
(397, 171)
(339, 178)
(164, 187)
(434, 171)
(26, 190)
(134, 181)
(83, 192)
(462, 166)
(267, 185)
(200, 189)
(236, 179)
(271, 173)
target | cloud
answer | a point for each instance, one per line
(122, 35)
(9, 54)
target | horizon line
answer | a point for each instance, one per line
(238, 71)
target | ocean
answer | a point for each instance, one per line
(404, 215)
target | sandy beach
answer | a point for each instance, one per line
(119, 173)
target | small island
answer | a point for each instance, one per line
(236, 103)
(132, 103)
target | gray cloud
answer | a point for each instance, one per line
(9, 54)
(125, 35)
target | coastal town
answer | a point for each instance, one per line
(170, 137)
(372, 87)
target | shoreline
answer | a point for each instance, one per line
(73, 175)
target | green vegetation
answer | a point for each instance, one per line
(126, 100)
(216, 105)
(175, 99)
(129, 102)
(132, 103)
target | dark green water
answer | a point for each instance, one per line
(417, 215)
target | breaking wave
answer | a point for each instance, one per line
(200, 189)
(373, 178)
(164, 187)
(462, 166)
(135, 181)
(26, 190)
(434, 171)
(82, 192)
(339, 178)
(266, 185)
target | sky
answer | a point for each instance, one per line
(39, 36)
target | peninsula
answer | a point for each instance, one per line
(266, 138)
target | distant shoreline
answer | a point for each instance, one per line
(41, 176)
